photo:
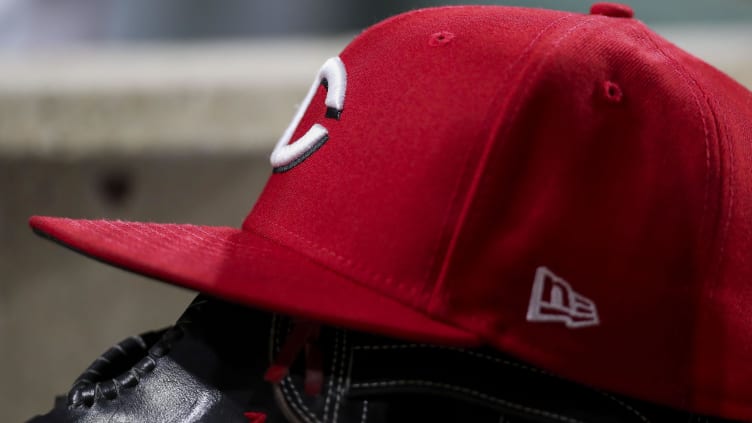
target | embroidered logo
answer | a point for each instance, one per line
(287, 155)
(554, 300)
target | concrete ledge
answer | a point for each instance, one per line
(207, 97)
(155, 99)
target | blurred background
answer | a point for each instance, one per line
(167, 111)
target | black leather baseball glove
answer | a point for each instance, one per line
(225, 363)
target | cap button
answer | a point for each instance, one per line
(613, 10)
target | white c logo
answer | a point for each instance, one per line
(287, 155)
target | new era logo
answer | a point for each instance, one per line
(554, 300)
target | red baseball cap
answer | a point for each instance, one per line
(571, 189)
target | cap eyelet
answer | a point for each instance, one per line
(440, 38)
(612, 92)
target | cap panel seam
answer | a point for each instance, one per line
(724, 221)
(707, 118)
(715, 262)
(511, 102)
(373, 275)
(446, 227)
(364, 277)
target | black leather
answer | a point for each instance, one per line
(372, 379)
(209, 368)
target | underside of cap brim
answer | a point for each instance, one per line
(246, 268)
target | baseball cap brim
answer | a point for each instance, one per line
(246, 268)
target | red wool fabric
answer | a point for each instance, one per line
(462, 164)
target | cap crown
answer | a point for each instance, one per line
(380, 200)
(477, 145)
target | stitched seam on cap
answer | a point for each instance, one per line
(446, 228)
(372, 275)
(364, 276)
(510, 101)
(696, 88)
